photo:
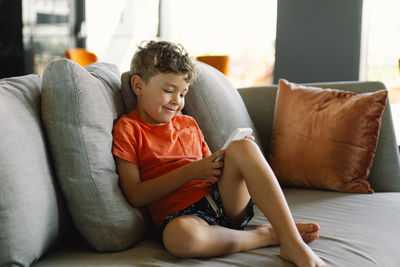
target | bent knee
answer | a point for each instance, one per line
(239, 147)
(182, 237)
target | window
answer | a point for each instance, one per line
(47, 32)
(243, 30)
(115, 28)
(380, 60)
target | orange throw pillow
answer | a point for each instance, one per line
(325, 138)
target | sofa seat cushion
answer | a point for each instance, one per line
(356, 230)
(30, 211)
(79, 107)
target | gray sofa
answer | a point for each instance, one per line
(60, 204)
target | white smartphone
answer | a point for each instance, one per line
(237, 134)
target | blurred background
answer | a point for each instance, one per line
(256, 41)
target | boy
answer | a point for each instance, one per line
(200, 205)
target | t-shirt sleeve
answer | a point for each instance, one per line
(125, 143)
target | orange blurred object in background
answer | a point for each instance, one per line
(81, 56)
(218, 62)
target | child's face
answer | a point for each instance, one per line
(161, 98)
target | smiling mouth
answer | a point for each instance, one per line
(170, 109)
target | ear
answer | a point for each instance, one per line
(137, 85)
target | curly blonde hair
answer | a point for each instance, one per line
(162, 57)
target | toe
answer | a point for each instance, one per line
(308, 227)
(310, 237)
(312, 227)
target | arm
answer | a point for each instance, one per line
(140, 193)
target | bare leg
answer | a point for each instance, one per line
(190, 236)
(247, 173)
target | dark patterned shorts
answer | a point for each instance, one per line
(205, 211)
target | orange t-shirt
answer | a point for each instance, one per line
(159, 149)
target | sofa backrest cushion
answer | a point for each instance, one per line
(385, 169)
(217, 107)
(79, 107)
(30, 209)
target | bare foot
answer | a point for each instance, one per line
(298, 253)
(308, 232)
(301, 255)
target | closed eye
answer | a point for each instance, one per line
(168, 91)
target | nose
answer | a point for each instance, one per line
(176, 99)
